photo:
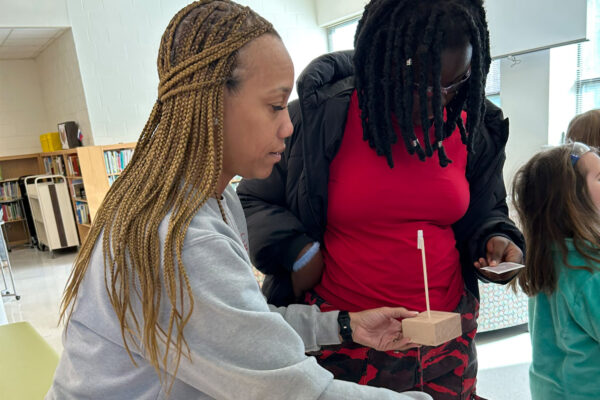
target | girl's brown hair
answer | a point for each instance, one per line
(585, 128)
(553, 204)
(175, 168)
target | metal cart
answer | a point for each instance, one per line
(52, 213)
(5, 268)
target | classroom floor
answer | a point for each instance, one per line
(504, 355)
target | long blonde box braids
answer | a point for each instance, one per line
(175, 168)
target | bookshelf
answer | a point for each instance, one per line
(13, 213)
(66, 163)
(100, 167)
(89, 172)
(12, 168)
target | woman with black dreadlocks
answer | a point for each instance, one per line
(162, 300)
(391, 139)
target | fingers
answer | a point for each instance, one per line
(499, 249)
(488, 274)
(480, 263)
(401, 343)
(496, 248)
(514, 253)
(495, 257)
(398, 312)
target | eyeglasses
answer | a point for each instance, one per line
(448, 89)
(579, 149)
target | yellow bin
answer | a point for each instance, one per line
(50, 142)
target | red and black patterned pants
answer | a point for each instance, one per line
(446, 372)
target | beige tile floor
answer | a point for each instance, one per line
(504, 356)
(39, 280)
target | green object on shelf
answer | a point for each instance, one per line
(27, 363)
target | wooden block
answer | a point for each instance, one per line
(440, 328)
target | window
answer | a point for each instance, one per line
(341, 37)
(587, 84)
(492, 85)
(574, 78)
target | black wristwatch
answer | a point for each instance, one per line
(345, 330)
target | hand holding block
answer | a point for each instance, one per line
(439, 328)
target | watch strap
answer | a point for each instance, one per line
(344, 322)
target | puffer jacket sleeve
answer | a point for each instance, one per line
(487, 215)
(275, 234)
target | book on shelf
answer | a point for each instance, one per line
(116, 160)
(77, 189)
(54, 165)
(11, 212)
(9, 191)
(73, 165)
(83, 212)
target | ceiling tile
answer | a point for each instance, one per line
(22, 49)
(4, 32)
(13, 52)
(12, 42)
(30, 33)
(17, 43)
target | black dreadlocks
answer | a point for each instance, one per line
(394, 39)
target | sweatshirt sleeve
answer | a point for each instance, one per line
(238, 348)
(316, 328)
(487, 215)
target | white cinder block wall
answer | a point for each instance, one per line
(524, 93)
(62, 88)
(331, 12)
(23, 114)
(34, 13)
(117, 42)
(117, 45)
(29, 104)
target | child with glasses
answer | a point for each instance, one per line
(557, 196)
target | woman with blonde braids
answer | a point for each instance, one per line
(162, 301)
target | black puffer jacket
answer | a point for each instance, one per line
(289, 209)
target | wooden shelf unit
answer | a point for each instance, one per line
(71, 170)
(97, 171)
(11, 169)
(94, 173)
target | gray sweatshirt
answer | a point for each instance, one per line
(239, 347)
